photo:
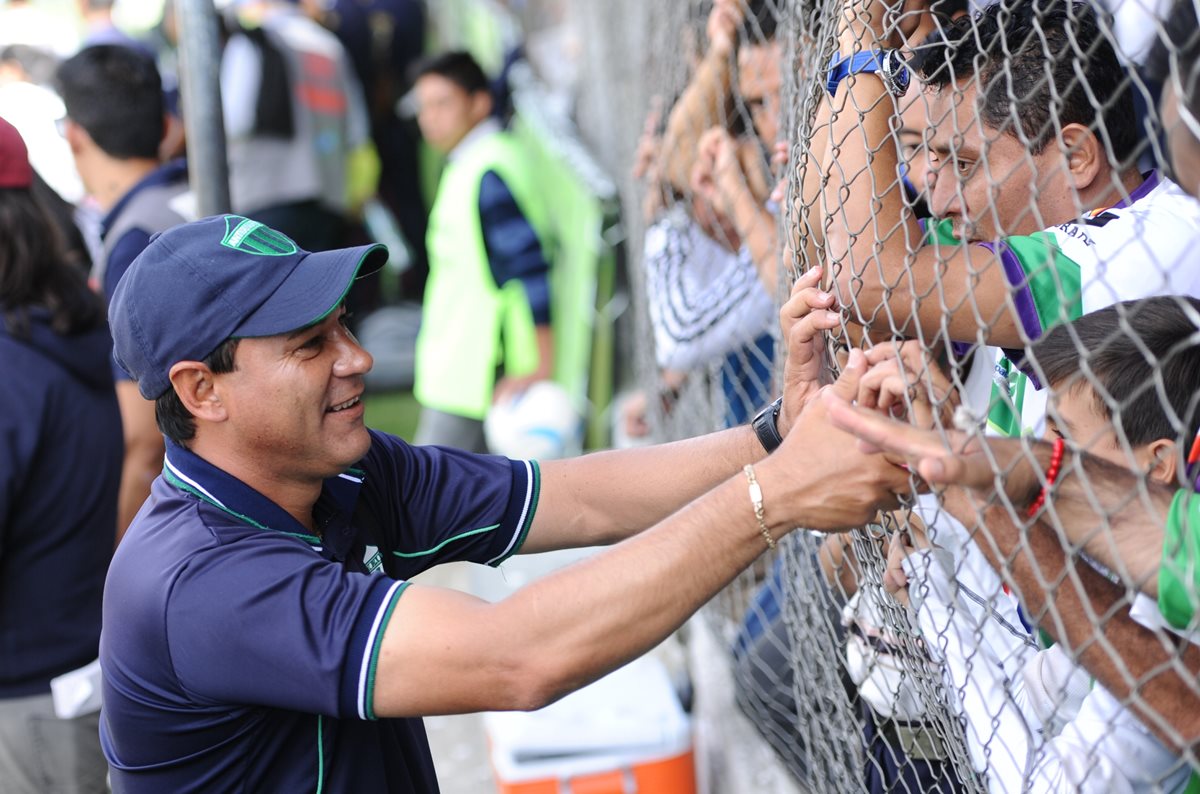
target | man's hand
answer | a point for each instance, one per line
(820, 477)
(723, 22)
(905, 382)
(895, 580)
(717, 175)
(803, 320)
(954, 458)
(510, 388)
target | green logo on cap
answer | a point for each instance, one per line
(252, 237)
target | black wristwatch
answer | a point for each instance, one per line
(766, 426)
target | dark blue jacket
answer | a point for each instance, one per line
(60, 464)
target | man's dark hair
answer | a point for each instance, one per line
(459, 67)
(1139, 357)
(1179, 44)
(34, 271)
(175, 421)
(115, 93)
(949, 9)
(1039, 65)
(761, 21)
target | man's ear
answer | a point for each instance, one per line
(1085, 155)
(193, 383)
(1164, 461)
(481, 105)
(77, 137)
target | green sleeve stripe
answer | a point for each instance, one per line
(444, 543)
(1179, 574)
(320, 754)
(369, 694)
(1053, 278)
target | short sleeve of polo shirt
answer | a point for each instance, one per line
(1179, 574)
(266, 622)
(437, 504)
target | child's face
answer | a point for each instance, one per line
(1079, 420)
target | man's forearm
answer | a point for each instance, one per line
(863, 208)
(607, 496)
(704, 103)
(759, 234)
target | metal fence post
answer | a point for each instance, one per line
(199, 71)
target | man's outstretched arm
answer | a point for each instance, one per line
(607, 496)
(444, 652)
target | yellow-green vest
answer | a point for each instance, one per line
(469, 326)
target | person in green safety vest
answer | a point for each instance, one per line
(485, 327)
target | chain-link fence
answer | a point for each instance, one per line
(992, 184)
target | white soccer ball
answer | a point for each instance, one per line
(540, 423)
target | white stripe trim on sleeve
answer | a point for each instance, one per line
(368, 651)
(529, 478)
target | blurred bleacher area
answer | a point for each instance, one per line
(536, 56)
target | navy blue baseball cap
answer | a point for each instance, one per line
(201, 283)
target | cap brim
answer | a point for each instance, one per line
(317, 286)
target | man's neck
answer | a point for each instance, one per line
(110, 180)
(1107, 193)
(293, 496)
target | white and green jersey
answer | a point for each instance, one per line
(1141, 247)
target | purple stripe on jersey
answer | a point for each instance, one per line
(1149, 182)
(1022, 295)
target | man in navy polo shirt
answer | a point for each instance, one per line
(260, 633)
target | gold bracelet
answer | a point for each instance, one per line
(756, 499)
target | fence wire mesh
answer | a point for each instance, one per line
(1014, 240)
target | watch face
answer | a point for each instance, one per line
(895, 73)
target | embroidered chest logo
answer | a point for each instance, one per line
(252, 237)
(372, 559)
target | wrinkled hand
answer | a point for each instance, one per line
(723, 23)
(954, 458)
(819, 477)
(509, 388)
(718, 176)
(905, 382)
(803, 319)
(634, 419)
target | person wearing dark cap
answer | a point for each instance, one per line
(260, 631)
(60, 460)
